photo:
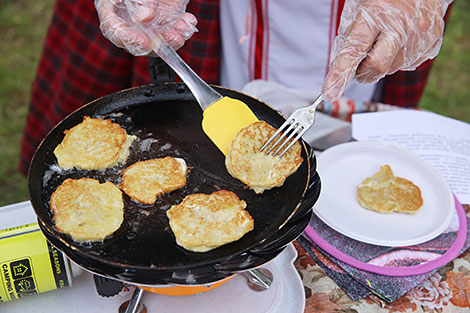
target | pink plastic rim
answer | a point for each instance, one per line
(450, 254)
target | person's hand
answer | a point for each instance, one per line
(167, 17)
(379, 37)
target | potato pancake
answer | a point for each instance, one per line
(386, 193)
(94, 144)
(144, 181)
(87, 210)
(203, 222)
(257, 170)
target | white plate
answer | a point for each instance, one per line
(345, 166)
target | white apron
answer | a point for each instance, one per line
(282, 41)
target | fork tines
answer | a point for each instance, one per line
(296, 125)
(294, 128)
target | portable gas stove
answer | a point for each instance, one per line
(286, 293)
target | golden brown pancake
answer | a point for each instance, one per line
(257, 170)
(203, 222)
(87, 210)
(386, 193)
(94, 144)
(144, 181)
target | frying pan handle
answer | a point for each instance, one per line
(160, 72)
(107, 287)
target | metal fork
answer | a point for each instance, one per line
(295, 125)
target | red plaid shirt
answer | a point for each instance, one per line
(78, 65)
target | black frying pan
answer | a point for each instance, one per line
(170, 115)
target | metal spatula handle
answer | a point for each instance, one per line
(204, 94)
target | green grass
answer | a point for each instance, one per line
(23, 25)
(448, 88)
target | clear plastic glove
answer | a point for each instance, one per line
(379, 37)
(167, 17)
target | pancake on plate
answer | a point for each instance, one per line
(257, 170)
(87, 210)
(386, 193)
(202, 222)
(94, 144)
(144, 181)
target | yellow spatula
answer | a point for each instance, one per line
(223, 116)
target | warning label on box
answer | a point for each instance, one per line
(18, 279)
(20, 268)
(28, 263)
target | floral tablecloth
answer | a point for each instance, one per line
(447, 290)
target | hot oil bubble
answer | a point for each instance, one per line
(53, 172)
(146, 143)
(165, 147)
(116, 114)
(144, 212)
(56, 168)
(47, 176)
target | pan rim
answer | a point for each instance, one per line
(57, 235)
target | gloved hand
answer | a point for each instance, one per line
(167, 17)
(379, 37)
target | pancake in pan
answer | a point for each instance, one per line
(94, 144)
(257, 170)
(144, 181)
(87, 210)
(203, 222)
(386, 193)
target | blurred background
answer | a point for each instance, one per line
(23, 25)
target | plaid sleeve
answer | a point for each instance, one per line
(405, 89)
(77, 65)
(201, 52)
